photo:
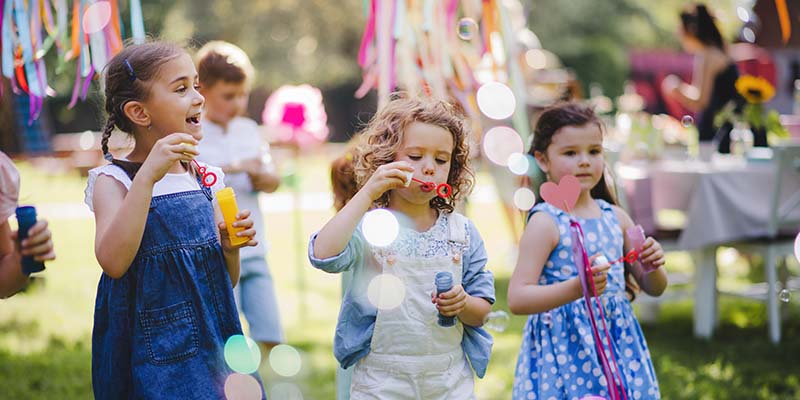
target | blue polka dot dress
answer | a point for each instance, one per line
(557, 359)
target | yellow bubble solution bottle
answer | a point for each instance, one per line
(227, 204)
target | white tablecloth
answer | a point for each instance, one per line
(723, 201)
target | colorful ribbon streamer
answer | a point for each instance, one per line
(29, 29)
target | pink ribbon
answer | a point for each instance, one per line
(613, 377)
(369, 33)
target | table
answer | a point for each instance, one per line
(726, 200)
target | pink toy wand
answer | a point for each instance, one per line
(613, 376)
(563, 195)
(443, 190)
(208, 178)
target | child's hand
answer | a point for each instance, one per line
(165, 152)
(387, 177)
(652, 253)
(599, 275)
(242, 221)
(38, 244)
(451, 302)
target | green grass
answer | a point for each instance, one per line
(45, 332)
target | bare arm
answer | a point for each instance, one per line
(697, 95)
(655, 282)
(12, 279)
(264, 180)
(333, 237)
(525, 294)
(119, 234)
(475, 311)
(120, 215)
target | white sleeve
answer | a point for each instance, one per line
(109, 170)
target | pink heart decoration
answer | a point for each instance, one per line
(564, 195)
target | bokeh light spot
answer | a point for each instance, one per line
(96, 17)
(285, 360)
(496, 100)
(500, 142)
(797, 247)
(386, 291)
(87, 140)
(242, 354)
(242, 387)
(518, 163)
(524, 198)
(748, 35)
(380, 227)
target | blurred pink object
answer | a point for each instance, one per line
(593, 398)
(296, 114)
(792, 124)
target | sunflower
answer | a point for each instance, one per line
(754, 89)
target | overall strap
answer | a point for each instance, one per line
(457, 227)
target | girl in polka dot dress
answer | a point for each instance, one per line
(558, 358)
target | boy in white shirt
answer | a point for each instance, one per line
(234, 143)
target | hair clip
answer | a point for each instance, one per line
(131, 74)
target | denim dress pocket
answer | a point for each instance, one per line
(170, 333)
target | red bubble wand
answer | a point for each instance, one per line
(208, 178)
(443, 190)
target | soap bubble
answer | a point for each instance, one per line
(687, 121)
(467, 28)
(785, 296)
(497, 321)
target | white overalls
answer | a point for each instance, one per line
(411, 356)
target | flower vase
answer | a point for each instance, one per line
(741, 139)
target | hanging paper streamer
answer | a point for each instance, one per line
(31, 28)
(137, 23)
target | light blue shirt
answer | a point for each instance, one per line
(356, 322)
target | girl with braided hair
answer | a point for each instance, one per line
(165, 304)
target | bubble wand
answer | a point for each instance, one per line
(443, 190)
(208, 178)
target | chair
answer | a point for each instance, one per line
(778, 242)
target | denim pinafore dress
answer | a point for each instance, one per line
(160, 330)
